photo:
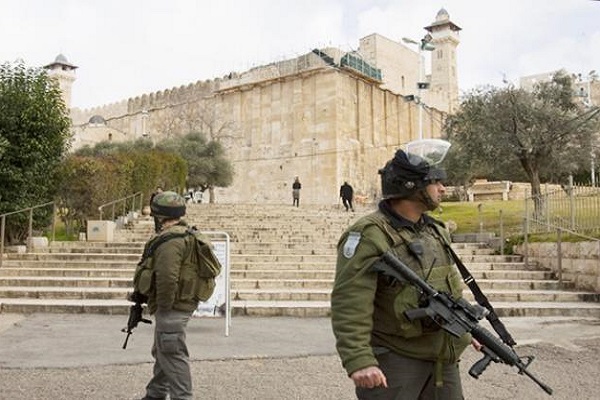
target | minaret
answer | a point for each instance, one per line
(64, 72)
(444, 79)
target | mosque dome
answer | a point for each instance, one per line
(442, 15)
(97, 120)
(62, 62)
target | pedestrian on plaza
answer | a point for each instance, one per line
(386, 355)
(296, 186)
(173, 297)
(346, 193)
(157, 191)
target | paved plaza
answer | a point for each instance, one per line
(75, 356)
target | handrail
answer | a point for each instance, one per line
(30, 231)
(124, 201)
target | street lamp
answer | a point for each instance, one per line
(423, 45)
(586, 100)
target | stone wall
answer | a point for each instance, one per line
(483, 190)
(580, 261)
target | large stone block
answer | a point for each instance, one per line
(100, 231)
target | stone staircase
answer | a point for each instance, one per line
(282, 263)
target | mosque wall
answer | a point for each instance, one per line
(324, 127)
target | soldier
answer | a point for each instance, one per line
(171, 300)
(387, 356)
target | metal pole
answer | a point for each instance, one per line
(593, 172)
(53, 222)
(571, 202)
(30, 233)
(526, 231)
(2, 225)
(420, 92)
(501, 234)
(559, 256)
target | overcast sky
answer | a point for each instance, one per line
(125, 48)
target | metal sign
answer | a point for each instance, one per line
(218, 305)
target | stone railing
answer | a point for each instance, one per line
(484, 190)
(579, 262)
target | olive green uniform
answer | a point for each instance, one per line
(172, 302)
(367, 307)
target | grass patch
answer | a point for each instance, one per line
(486, 216)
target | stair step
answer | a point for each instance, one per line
(56, 293)
(68, 272)
(65, 281)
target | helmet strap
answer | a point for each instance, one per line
(424, 198)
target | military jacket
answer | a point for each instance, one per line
(175, 280)
(367, 307)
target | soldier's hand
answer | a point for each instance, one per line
(369, 377)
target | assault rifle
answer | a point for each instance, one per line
(135, 315)
(457, 317)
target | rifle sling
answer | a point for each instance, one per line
(160, 240)
(481, 299)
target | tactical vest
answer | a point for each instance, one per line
(421, 249)
(197, 274)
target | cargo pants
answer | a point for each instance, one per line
(172, 374)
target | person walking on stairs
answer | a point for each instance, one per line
(296, 186)
(346, 193)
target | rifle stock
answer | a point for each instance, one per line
(457, 317)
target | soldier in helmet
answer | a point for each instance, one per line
(169, 301)
(387, 356)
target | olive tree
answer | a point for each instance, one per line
(208, 166)
(544, 131)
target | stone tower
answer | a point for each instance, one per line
(445, 38)
(64, 72)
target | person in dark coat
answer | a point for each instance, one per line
(296, 186)
(346, 193)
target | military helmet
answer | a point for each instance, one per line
(168, 204)
(413, 169)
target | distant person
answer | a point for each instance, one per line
(296, 186)
(156, 222)
(346, 193)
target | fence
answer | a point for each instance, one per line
(572, 208)
(575, 208)
(30, 226)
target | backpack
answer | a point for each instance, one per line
(201, 258)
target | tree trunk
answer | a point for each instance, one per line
(536, 195)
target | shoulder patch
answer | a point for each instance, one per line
(351, 244)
